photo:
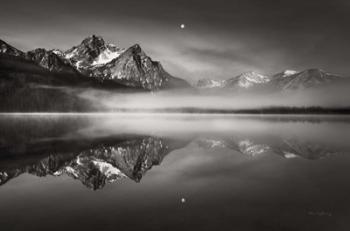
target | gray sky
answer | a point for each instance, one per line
(222, 38)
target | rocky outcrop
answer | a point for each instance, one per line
(51, 61)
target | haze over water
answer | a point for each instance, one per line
(174, 172)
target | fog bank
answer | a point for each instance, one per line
(335, 96)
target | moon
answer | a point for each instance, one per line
(182, 26)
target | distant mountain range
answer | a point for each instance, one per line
(37, 80)
(286, 80)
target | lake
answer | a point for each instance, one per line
(174, 172)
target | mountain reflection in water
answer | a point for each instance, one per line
(98, 149)
(174, 172)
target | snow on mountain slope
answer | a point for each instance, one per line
(111, 52)
(90, 52)
(286, 80)
(247, 80)
(289, 72)
(305, 79)
(130, 67)
(283, 74)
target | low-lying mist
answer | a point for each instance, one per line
(330, 97)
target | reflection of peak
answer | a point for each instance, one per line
(287, 148)
(251, 149)
(290, 148)
(289, 155)
(211, 143)
(244, 146)
(210, 83)
(92, 172)
(103, 163)
(131, 158)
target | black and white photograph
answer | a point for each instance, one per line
(175, 115)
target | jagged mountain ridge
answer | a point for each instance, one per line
(286, 80)
(134, 68)
(246, 80)
(10, 50)
(305, 79)
(93, 57)
(91, 52)
(51, 61)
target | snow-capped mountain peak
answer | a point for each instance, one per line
(304, 79)
(92, 51)
(254, 77)
(285, 80)
(105, 63)
(288, 73)
(247, 80)
(57, 52)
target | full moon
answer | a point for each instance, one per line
(182, 26)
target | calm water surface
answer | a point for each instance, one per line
(174, 172)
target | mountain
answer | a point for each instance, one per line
(246, 80)
(91, 52)
(6, 49)
(51, 61)
(95, 58)
(39, 81)
(286, 80)
(134, 68)
(306, 79)
(283, 74)
(130, 67)
(50, 80)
